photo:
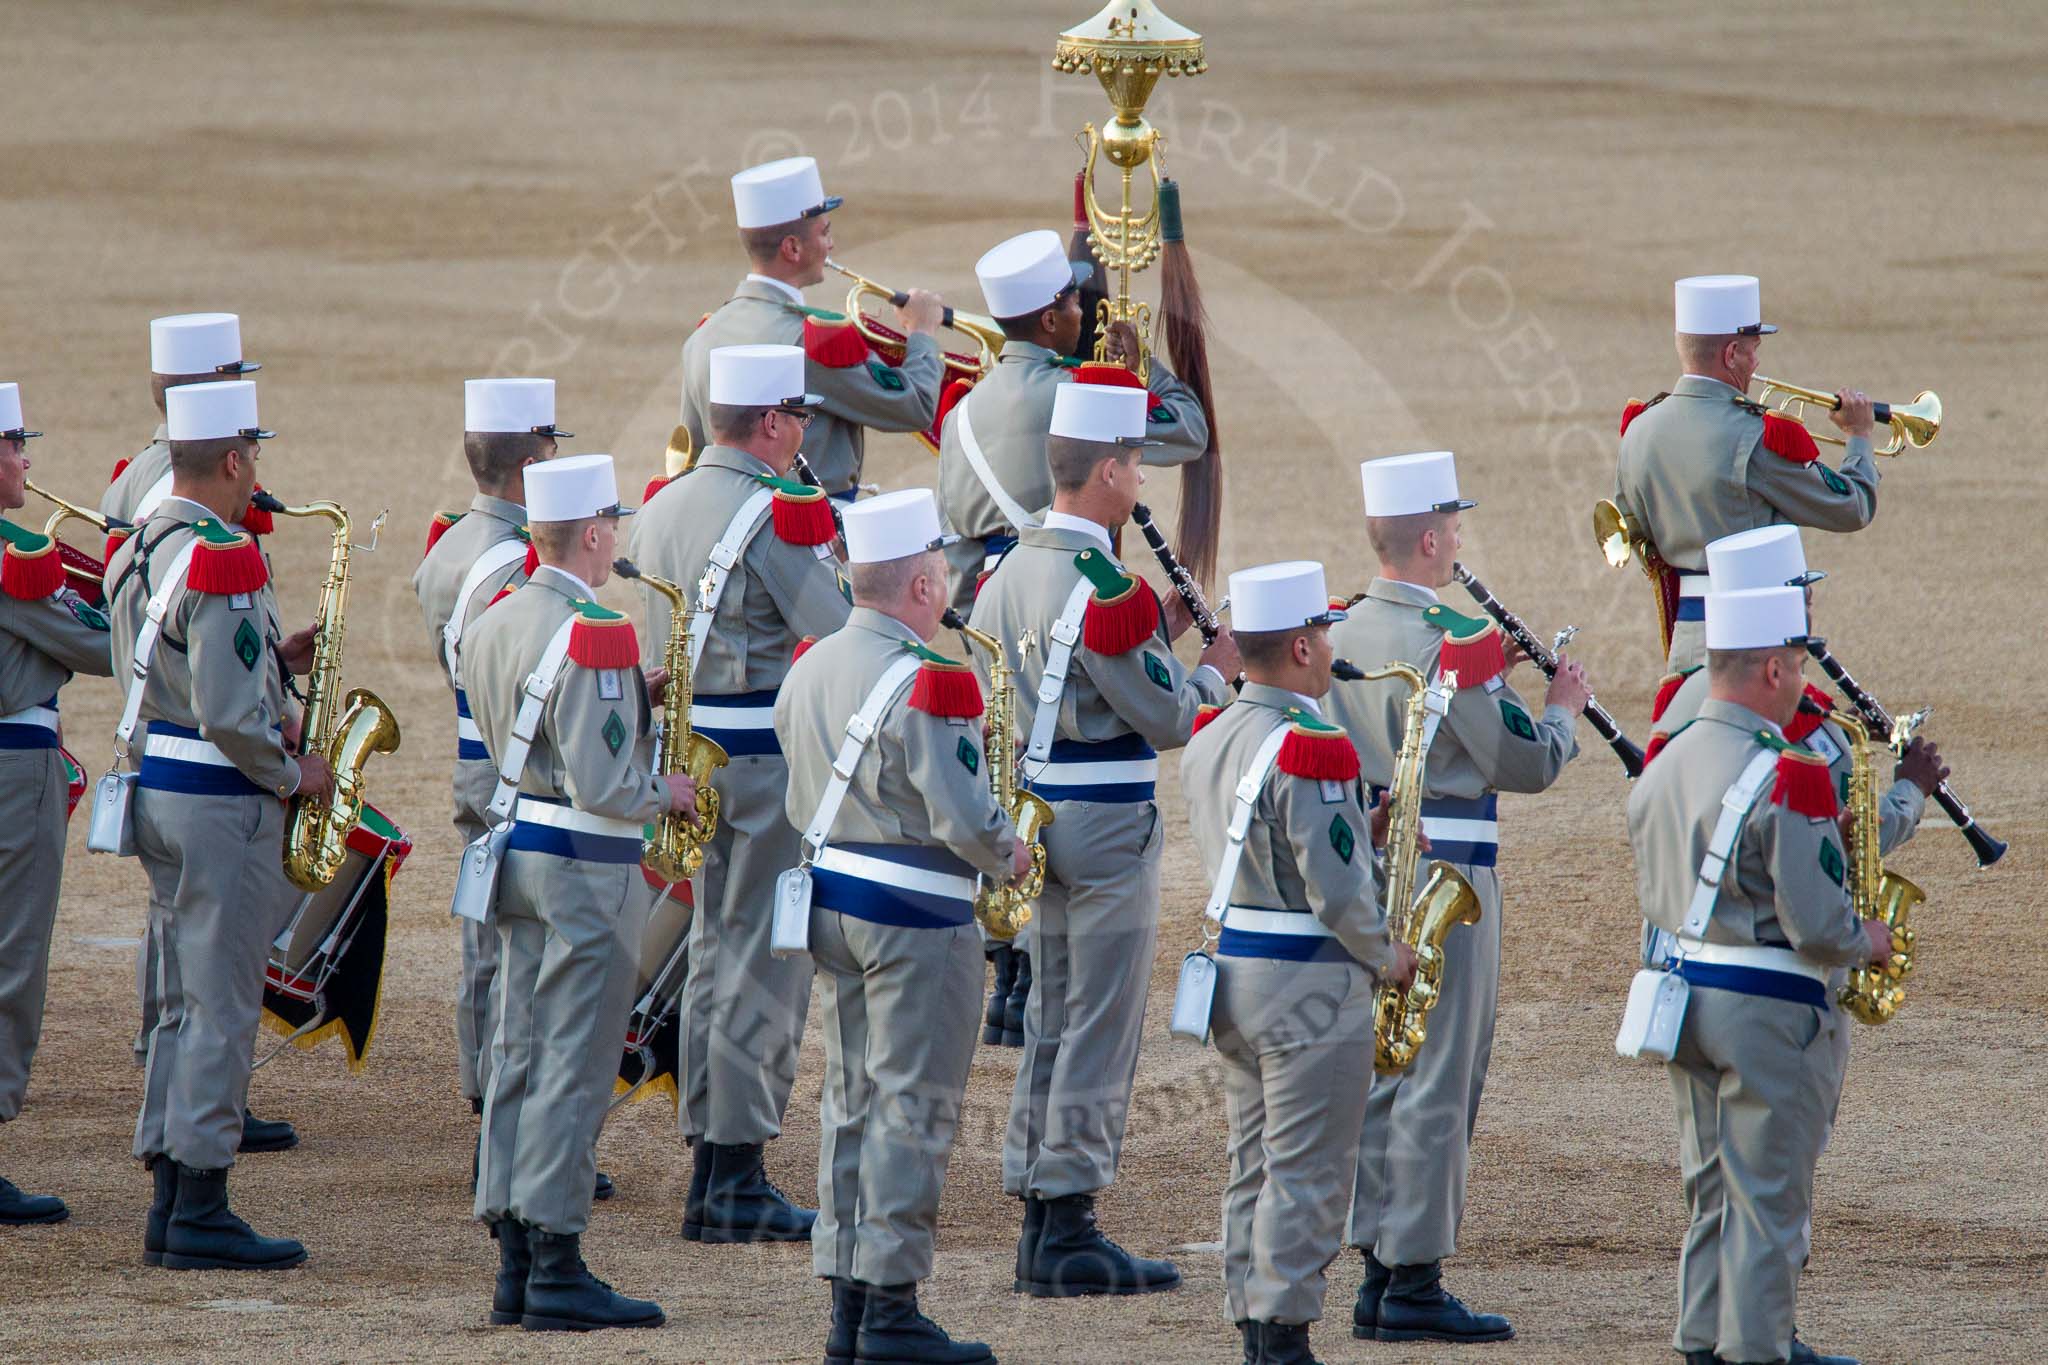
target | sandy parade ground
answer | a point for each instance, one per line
(1418, 225)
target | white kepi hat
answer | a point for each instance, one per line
(1720, 305)
(573, 487)
(1280, 597)
(1768, 557)
(510, 405)
(1027, 273)
(213, 411)
(760, 377)
(1113, 414)
(1408, 485)
(893, 526)
(1756, 618)
(11, 428)
(197, 343)
(780, 192)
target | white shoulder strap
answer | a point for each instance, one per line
(1012, 510)
(724, 555)
(1248, 788)
(1059, 656)
(533, 699)
(153, 495)
(498, 555)
(860, 728)
(1436, 704)
(145, 645)
(1734, 810)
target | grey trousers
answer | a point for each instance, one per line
(1416, 1145)
(1296, 1044)
(475, 780)
(1753, 1083)
(217, 897)
(1091, 943)
(900, 1013)
(743, 1008)
(567, 933)
(31, 871)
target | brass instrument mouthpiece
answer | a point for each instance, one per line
(268, 502)
(1345, 670)
(953, 620)
(625, 568)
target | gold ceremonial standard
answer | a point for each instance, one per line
(345, 731)
(985, 332)
(1004, 909)
(674, 851)
(1914, 424)
(1873, 994)
(1128, 46)
(1401, 1021)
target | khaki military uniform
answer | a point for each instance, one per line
(1694, 468)
(871, 394)
(438, 582)
(1410, 1195)
(42, 644)
(898, 955)
(1011, 414)
(743, 1008)
(1097, 923)
(1303, 943)
(145, 480)
(571, 906)
(1753, 1077)
(209, 817)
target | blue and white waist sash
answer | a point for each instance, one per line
(469, 741)
(1692, 596)
(1123, 770)
(1752, 969)
(740, 722)
(32, 727)
(549, 824)
(1461, 829)
(1288, 935)
(176, 759)
(915, 886)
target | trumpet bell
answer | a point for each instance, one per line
(1917, 422)
(1611, 529)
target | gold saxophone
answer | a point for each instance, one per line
(675, 850)
(1873, 994)
(316, 838)
(1003, 909)
(1401, 1020)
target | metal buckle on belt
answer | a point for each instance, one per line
(724, 556)
(1065, 632)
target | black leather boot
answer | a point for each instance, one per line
(700, 1181)
(563, 1296)
(19, 1208)
(1802, 1354)
(1417, 1307)
(1365, 1314)
(266, 1135)
(1013, 1009)
(1004, 959)
(893, 1332)
(204, 1234)
(1702, 1358)
(157, 1225)
(849, 1301)
(515, 1262)
(1027, 1240)
(1249, 1330)
(1073, 1258)
(1285, 1343)
(741, 1204)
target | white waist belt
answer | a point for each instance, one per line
(713, 715)
(1692, 584)
(1300, 923)
(186, 750)
(535, 812)
(465, 728)
(45, 716)
(1752, 955)
(885, 873)
(1058, 774)
(1462, 831)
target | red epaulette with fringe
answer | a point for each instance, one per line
(950, 396)
(225, 561)
(1803, 784)
(1122, 613)
(1203, 715)
(30, 567)
(257, 521)
(117, 537)
(1789, 440)
(654, 485)
(802, 514)
(1667, 688)
(120, 467)
(944, 687)
(1805, 722)
(1107, 372)
(532, 560)
(832, 340)
(803, 647)
(1316, 749)
(1658, 739)
(438, 527)
(500, 596)
(602, 638)
(1472, 647)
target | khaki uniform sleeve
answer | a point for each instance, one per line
(1898, 814)
(887, 398)
(1332, 849)
(1151, 691)
(1815, 495)
(1808, 876)
(233, 663)
(597, 740)
(67, 630)
(949, 769)
(805, 588)
(1175, 419)
(1513, 751)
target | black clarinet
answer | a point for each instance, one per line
(803, 472)
(1183, 581)
(1988, 848)
(1624, 748)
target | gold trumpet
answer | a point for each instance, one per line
(986, 334)
(1914, 424)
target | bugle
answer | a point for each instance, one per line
(80, 567)
(984, 332)
(1914, 424)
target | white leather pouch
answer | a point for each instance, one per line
(1194, 997)
(111, 829)
(1656, 1009)
(790, 933)
(476, 875)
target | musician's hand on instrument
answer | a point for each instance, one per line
(315, 777)
(1020, 861)
(1880, 935)
(1516, 655)
(1120, 345)
(1380, 819)
(1178, 615)
(1854, 417)
(1402, 974)
(682, 791)
(1223, 656)
(1922, 766)
(657, 685)
(1568, 689)
(295, 651)
(922, 311)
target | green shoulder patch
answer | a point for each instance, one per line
(213, 533)
(821, 314)
(1454, 625)
(1831, 861)
(614, 733)
(248, 645)
(886, 377)
(1160, 415)
(1341, 837)
(969, 756)
(591, 611)
(1837, 485)
(929, 655)
(1309, 720)
(1778, 745)
(1517, 720)
(88, 616)
(1155, 669)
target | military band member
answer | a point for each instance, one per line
(1120, 696)
(1412, 1163)
(209, 818)
(993, 478)
(570, 905)
(1303, 947)
(786, 231)
(1702, 461)
(1752, 1077)
(743, 1010)
(471, 557)
(46, 635)
(188, 348)
(892, 923)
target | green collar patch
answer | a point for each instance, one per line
(1310, 721)
(591, 611)
(1453, 625)
(21, 538)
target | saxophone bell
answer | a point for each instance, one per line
(1003, 910)
(674, 850)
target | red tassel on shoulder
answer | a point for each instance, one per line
(532, 561)
(1805, 722)
(1203, 715)
(1107, 372)
(833, 342)
(1477, 660)
(1789, 440)
(654, 485)
(30, 567)
(1658, 739)
(803, 518)
(1321, 755)
(438, 527)
(803, 647)
(502, 594)
(1667, 688)
(116, 538)
(1119, 625)
(1636, 408)
(227, 566)
(602, 638)
(950, 397)
(257, 521)
(1804, 785)
(120, 466)
(946, 689)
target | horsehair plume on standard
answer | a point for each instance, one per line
(1186, 322)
